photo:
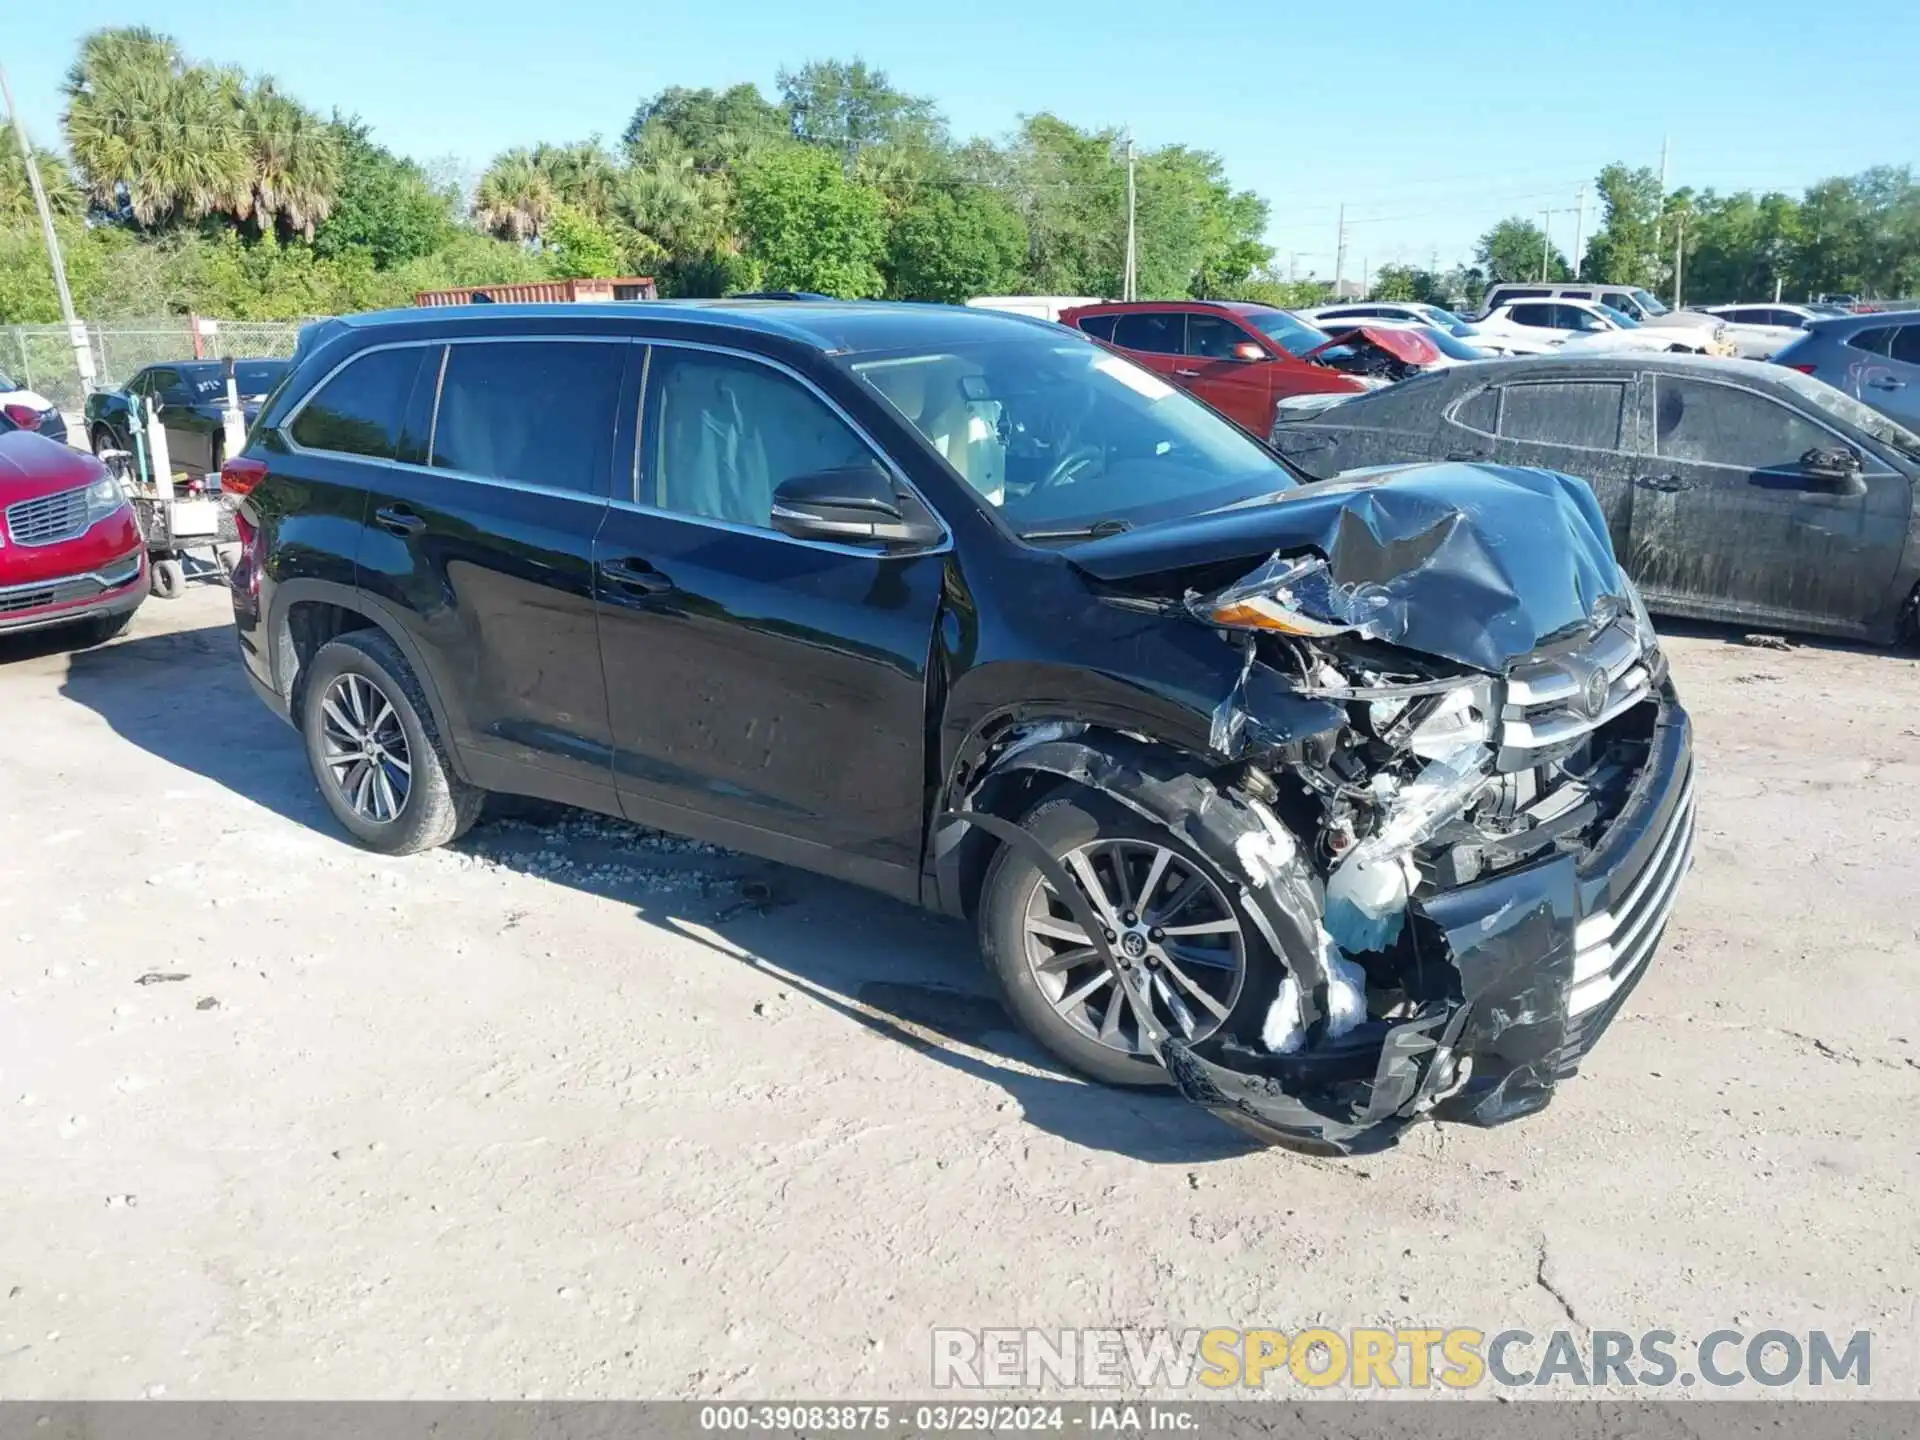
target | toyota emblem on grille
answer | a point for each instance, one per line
(1593, 698)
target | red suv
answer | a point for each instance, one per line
(1239, 357)
(71, 552)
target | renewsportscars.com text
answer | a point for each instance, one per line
(1401, 1359)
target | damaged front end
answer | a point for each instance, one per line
(1466, 861)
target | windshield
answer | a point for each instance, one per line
(1445, 341)
(7, 382)
(1061, 436)
(1843, 406)
(1289, 332)
(1649, 302)
(1445, 319)
(1619, 317)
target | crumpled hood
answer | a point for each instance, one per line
(1484, 563)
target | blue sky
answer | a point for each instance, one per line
(1430, 120)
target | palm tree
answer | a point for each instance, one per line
(582, 175)
(515, 198)
(153, 137)
(295, 161)
(664, 196)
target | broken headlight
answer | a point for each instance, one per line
(1298, 596)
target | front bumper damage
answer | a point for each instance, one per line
(1544, 956)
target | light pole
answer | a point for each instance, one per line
(76, 332)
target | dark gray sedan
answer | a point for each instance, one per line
(1875, 358)
(1733, 490)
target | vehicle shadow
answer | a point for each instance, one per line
(886, 967)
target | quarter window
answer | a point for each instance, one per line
(1906, 345)
(1479, 411)
(724, 433)
(539, 412)
(1099, 326)
(360, 410)
(1720, 425)
(1585, 415)
(1541, 315)
(1155, 334)
(1878, 341)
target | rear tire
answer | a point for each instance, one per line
(1071, 823)
(376, 752)
(168, 579)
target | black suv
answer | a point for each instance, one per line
(1340, 804)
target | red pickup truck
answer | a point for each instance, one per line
(71, 552)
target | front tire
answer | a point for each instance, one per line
(375, 751)
(1205, 967)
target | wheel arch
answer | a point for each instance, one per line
(306, 613)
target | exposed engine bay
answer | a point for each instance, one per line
(1460, 827)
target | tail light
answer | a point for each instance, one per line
(240, 474)
(1804, 369)
(24, 416)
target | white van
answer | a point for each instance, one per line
(1045, 307)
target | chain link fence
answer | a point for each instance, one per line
(40, 357)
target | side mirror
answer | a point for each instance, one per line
(851, 504)
(1834, 468)
(1247, 350)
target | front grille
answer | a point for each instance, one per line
(1557, 700)
(1610, 947)
(49, 519)
(64, 592)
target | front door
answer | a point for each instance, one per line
(1726, 522)
(1239, 388)
(485, 551)
(766, 693)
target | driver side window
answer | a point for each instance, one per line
(725, 432)
(1719, 425)
(1213, 338)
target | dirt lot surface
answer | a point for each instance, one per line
(577, 1110)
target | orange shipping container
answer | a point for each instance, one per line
(544, 292)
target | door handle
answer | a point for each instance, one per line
(1665, 484)
(1188, 374)
(636, 575)
(1887, 382)
(398, 520)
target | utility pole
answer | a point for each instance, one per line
(1679, 254)
(1660, 205)
(1366, 269)
(1129, 282)
(1546, 240)
(76, 332)
(1579, 226)
(1340, 254)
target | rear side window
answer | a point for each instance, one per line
(1155, 334)
(360, 410)
(1720, 425)
(539, 412)
(1586, 415)
(1541, 315)
(1098, 326)
(1878, 341)
(1479, 411)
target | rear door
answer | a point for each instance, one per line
(1890, 380)
(766, 693)
(1579, 427)
(483, 545)
(1725, 521)
(1240, 389)
(1156, 339)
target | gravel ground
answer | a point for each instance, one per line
(580, 1110)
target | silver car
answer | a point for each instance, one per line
(1875, 358)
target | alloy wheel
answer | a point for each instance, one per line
(364, 748)
(1162, 914)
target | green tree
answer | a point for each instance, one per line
(808, 226)
(1395, 282)
(16, 193)
(953, 243)
(579, 245)
(1512, 250)
(386, 206)
(716, 127)
(1623, 251)
(295, 163)
(582, 175)
(515, 197)
(848, 107)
